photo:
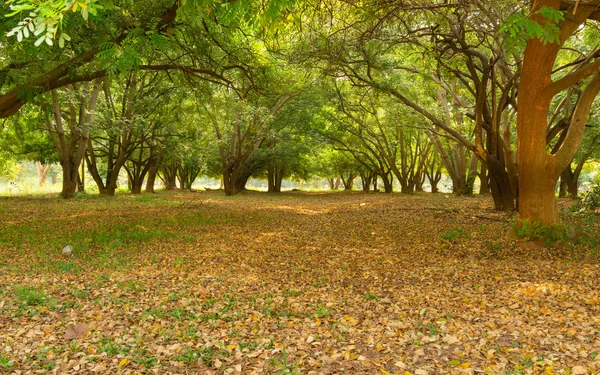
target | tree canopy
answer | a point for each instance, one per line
(399, 93)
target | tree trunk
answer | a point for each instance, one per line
(484, 187)
(434, 185)
(538, 170)
(69, 185)
(330, 183)
(169, 175)
(568, 184)
(275, 171)
(366, 179)
(229, 181)
(348, 182)
(388, 184)
(42, 172)
(500, 186)
(152, 171)
(136, 184)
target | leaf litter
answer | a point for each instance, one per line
(180, 283)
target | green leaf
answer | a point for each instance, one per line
(40, 41)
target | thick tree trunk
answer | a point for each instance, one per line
(69, 185)
(348, 182)
(419, 181)
(229, 187)
(538, 170)
(500, 186)
(434, 185)
(569, 184)
(233, 183)
(388, 184)
(152, 172)
(136, 184)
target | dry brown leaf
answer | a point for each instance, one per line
(579, 370)
(80, 330)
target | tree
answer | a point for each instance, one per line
(102, 37)
(370, 49)
(71, 137)
(539, 170)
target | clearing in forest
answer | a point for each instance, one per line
(295, 283)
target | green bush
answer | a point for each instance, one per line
(591, 199)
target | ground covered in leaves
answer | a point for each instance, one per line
(297, 283)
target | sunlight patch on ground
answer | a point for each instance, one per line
(303, 211)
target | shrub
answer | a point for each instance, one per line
(536, 231)
(591, 199)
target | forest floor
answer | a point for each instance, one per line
(297, 283)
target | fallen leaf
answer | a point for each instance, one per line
(76, 332)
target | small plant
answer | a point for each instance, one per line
(536, 231)
(49, 366)
(6, 363)
(206, 355)
(290, 293)
(370, 297)
(179, 262)
(321, 283)
(67, 266)
(452, 235)
(31, 296)
(284, 367)
(111, 348)
(321, 312)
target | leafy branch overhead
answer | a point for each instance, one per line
(44, 19)
(520, 27)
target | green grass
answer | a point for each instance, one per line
(205, 355)
(453, 234)
(321, 312)
(6, 363)
(31, 296)
(111, 348)
(370, 297)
